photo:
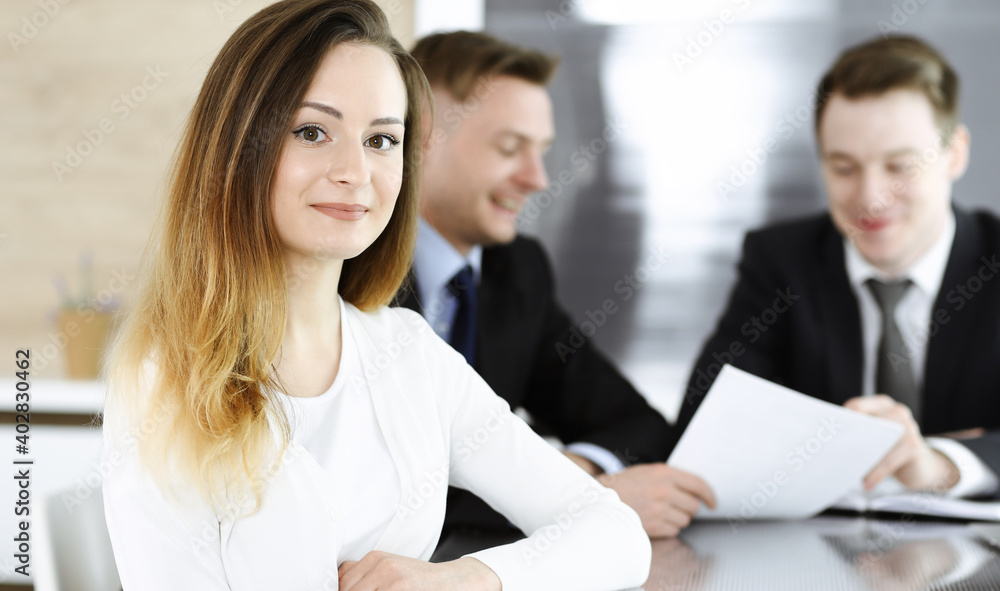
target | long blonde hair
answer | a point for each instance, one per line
(209, 317)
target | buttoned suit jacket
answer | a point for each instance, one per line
(793, 318)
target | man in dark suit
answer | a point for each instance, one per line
(887, 303)
(490, 292)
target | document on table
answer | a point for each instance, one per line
(769, 452)
(891, 497)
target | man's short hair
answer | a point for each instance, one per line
(457, 61)
(898, 62)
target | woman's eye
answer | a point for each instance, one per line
(382, 141)
(311, 134)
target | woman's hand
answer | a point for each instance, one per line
(391, 572)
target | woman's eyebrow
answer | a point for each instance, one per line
(338, 115)
(324, 108)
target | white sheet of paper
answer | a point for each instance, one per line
(769, 452)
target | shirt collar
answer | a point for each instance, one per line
(927, 272)
(436, 261)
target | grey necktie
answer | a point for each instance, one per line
(893, 372)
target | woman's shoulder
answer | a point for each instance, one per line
(389, 322)
(398, 334)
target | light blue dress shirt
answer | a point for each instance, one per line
(435, 262)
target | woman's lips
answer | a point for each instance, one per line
(342, 211)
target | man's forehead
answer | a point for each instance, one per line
(512, 116)
(892, 122)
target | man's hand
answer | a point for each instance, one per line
(385, 572)
(914, 464)
(664, 497)
(588, 466)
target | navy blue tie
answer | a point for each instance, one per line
(463, 328)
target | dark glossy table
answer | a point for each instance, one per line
(827, 552)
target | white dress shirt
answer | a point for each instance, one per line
(913, 317)
(435, 262)
(442, 425)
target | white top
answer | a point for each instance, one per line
(914, 317)
(442, 425)
(340, 431)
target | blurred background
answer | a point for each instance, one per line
(680, 125)
(715, 138)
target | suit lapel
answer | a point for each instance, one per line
(841, 321)
(489, 313)
(946, 346)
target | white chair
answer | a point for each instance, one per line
(73, 550)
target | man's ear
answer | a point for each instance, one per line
(433, 118)
(958, 152)
(427, 125)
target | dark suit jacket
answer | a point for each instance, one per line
(577, 396)
(793, 319)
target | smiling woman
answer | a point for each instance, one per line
(265, 407)
(342, 161)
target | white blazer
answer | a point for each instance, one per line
(443, 425)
